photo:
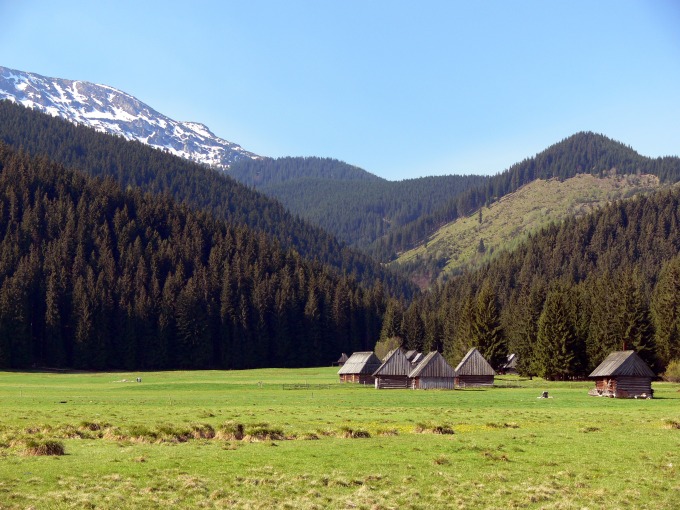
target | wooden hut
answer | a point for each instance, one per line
(510, 365)
(359, 368)
(623, 374)
(393, 373)
(474, 370)
(342, 360)
(433, 372)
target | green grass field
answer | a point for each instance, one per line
(240, 440)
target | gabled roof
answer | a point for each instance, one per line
(473, 363)
(343, 358)
(360, 363)
(623, 363)
(395, 363)
(511, 362)
(410, 355)
(432, 365)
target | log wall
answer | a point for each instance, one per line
(624, 387)
(391, 382)
(357, 378)
(464, 381)
(432, 383)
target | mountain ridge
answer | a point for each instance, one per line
(113, 111)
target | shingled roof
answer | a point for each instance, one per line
(432, 365)
(360, 363)
(623, 363)
(474, 364)
(511, 362)
(395, 363)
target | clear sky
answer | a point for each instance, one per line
(401, 89)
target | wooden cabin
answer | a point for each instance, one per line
(359, 368)
(433, 372)
(342, 360)
(474, 370)
(510, 365)
(394, 371)
(623, 374)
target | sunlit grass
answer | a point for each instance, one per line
(239, 440)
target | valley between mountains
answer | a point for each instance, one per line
(130, 240)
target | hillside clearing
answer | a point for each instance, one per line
(507, 222)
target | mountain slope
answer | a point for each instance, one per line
(587, 153)
(112, 111)
(567, 295)
(473, 240)
(349, 202)
(133, 164)
(264, 173)
(94, 277)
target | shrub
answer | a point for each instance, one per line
(672, 373)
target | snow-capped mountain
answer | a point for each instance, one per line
(112, 111)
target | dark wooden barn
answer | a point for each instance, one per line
(359, 368)
(433, 372)
(342, 360)
(623, 374)
(394, 371)
(474, 370)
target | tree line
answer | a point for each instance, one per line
(580, 153)
(133, 164)
(566, 297)
(96, 277)
(352, 204)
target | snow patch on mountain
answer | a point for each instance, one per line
(113, 111)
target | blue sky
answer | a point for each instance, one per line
(402, 89)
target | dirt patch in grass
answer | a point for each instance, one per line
(433, 428)
(34, 447)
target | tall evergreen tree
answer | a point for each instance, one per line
(557, 349)
(486, 327)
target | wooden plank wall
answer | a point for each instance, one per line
(432, 383)
(391, 383)
(474, 380)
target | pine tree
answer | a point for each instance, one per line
(486, 327)
(666, 312)
(556, 342)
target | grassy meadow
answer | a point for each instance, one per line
(240, 440)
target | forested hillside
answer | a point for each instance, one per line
(354, 205)
(95, 277)
(581, 153)
(566, 297)
(473, 240)
(133, 164)
(265, 172)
